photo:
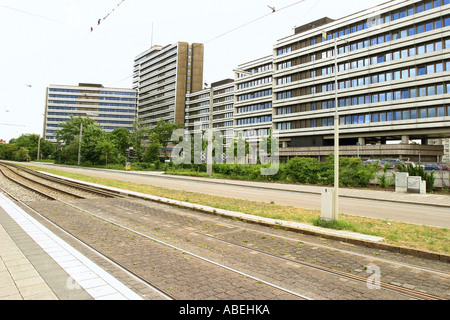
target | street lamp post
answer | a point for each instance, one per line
(39, 148)
(336, 138)
(209, 160)
(79, 144)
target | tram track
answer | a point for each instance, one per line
(346, 275)
(385, 286)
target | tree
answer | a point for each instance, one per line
(162, 134)
(31, 143)
(137, 138)
(153, 151)
(93, 140)
(122, 139)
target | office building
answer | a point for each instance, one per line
(393, 83)
(254, 98)
(111, 108)
(163, 76)
(200, 116)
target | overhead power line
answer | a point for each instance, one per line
(34, 15)
(107, 16)
(274, 11)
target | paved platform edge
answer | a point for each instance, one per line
(99, 284)
(350, 237)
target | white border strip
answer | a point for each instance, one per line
(82, 271)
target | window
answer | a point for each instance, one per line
(389, 76)
(441, 112)
(413, 114)
(421, 71)
(430, 47)
(405, 94)
(428, 5)
(431, 112)
(422, 92)
(446, 22)
(405, 74)
(382, 116)
(397, 115)
(431, 91)
(439, 67)
(422, 113)
(439, 89)
(420, 29)
(375, 117)
(397, 95)
(360, 119)
(405, 115)
(389, 116)
(404, 54)
(419, 8)
(430, 69)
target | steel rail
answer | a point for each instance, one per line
(98, 191)
(387, 286)
(46, 186)
(28, 187)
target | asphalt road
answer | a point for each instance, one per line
(403, 212)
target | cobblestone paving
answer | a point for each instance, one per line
(175, 272)
(190, 278)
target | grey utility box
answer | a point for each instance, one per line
(328, 205)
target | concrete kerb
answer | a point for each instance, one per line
(344, 236)
(263, 185)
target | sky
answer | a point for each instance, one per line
(46, 42)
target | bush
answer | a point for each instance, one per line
(304, 170)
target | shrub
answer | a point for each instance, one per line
(304, 170)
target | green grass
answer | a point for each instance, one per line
(395, 233)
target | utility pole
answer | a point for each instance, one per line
(79, 145)
(336, 138)
(39, 148)
(209, 159)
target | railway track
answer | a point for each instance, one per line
(405, 292)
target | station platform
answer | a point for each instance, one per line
(35, 264)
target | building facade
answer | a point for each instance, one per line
(163, 76)
(393, 82)
(212, 108)
(254, 98)
(111, 108)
